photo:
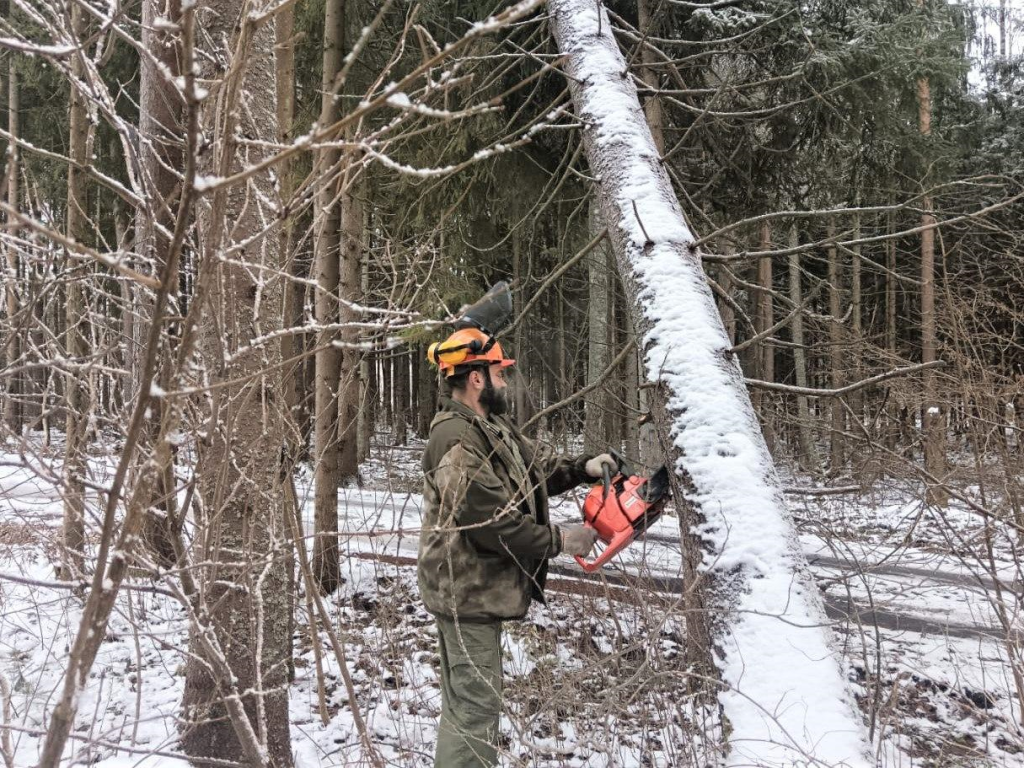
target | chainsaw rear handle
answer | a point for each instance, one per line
(619, 542)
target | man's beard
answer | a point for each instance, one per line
(494, 400)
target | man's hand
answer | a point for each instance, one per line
(578, 540)
(594, 466)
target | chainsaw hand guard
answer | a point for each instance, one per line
(619, 542)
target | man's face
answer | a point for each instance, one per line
(494, 398)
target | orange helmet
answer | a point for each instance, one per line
(466, 347)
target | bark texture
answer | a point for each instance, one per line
(671, 301)
(244, 588)
(807, 452)
(837, 442)
(932, 418)
(350, 288)
(597, 407)
(13, 411)
(76, 389)
(328, 357)
(160, 116)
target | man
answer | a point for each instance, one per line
(486, 537)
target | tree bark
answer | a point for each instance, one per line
(291, 310)
(160, 119)
(327, 253)
(765, 319)
(403, 394)
(856, 317)
(723, 473)
(13, 415)
(837, 442)
(245, 587)
(596, 406)
(350, 287)
(647, 27)
(76, 400)
(807, 452)
(932, 418)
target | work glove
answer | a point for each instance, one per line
(578, 540)
(594, 466)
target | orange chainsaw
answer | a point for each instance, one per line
(622, 507)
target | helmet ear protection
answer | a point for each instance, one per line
(457, 354)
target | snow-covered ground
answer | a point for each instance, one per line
(595, 679)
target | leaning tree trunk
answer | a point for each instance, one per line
(756, 585)
(327, 253)
(76, 391)
(235, 703)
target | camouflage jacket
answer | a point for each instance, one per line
(486, 538)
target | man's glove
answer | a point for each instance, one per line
(594, 466)
(578, 540)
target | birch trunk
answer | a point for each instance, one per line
(235, 703)
(327, 254)
(756, 586)
(76, 391)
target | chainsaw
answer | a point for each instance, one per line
(622, 507)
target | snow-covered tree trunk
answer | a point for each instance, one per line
(781, 688)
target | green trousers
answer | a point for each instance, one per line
(470, 694)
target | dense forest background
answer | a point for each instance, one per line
(186, 249)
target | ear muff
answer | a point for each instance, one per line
(456, 355)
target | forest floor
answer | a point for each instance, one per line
(596, 678)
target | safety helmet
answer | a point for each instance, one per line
(465, 348)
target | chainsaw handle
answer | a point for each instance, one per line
(617, 544)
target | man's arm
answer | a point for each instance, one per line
(481, 507)
(560, 473)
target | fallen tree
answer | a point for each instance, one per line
(757, 630)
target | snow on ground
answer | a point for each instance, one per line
(595, 679)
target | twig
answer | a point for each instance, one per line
(589, 388)
(812, 392)
(553, 277)
(647, 237)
